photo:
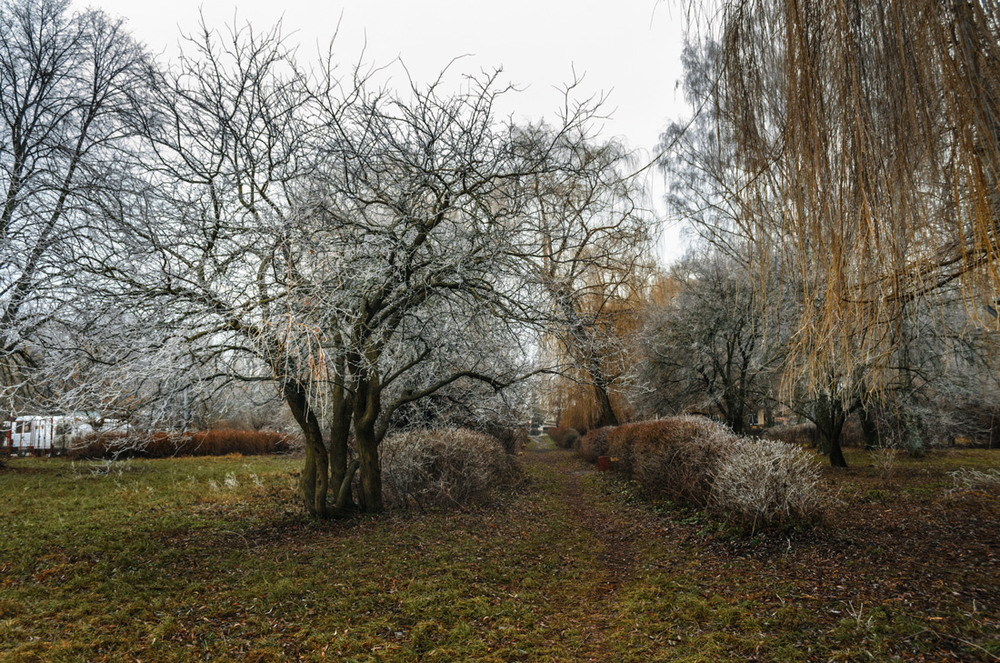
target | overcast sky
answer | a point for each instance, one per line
(629, 50)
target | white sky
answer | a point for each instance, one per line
(629, 49)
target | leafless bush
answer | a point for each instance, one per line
(565, 438)
(672, 457)
(442, 467)
(594, 444)
(757, 482)
(763, 483)
(884, 461)
(968, 479)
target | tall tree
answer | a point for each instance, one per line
(362, 249)
(880, 124)
(590, 255)
(71, 84)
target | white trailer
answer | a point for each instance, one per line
(48, 435)
(32, 435)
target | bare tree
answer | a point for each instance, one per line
(712, 348)
(591, 259)
(425, 217)
(70, 85)
(361, 249)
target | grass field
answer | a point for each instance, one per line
(209, 559)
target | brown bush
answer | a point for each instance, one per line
(594, 444)
(696, 460)
(442, 467)
(165, 445)
(672, 457)
(512, 438)
(802, 434)
(565, 438)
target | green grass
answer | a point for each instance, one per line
(209, 559)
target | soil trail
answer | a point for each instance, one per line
(614, 553)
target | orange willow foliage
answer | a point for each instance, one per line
(867, 134)
(620, 319)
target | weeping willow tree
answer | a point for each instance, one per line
(867, 138)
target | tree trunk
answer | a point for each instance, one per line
(606, 413)
(869, 428)
(836, 453)
(367, 407)
(830, 418)
(340, 431)
(735, 413)
(314, 483)
(911, 431)
(371, 472)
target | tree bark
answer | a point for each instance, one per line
(607, 416)
(314, 483)
(830, 418)
(340, 431)
(371, 473)
(367, 407)
(869, 428)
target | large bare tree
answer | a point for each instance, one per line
(362, 249)
(70, 84)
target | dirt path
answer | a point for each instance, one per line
(613, 553)
(912, 576)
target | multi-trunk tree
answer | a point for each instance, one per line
(362, 249)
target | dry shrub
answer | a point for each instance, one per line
(968, 479)
(512, 438)
(442, 467)
(803, 434)
(671, 457)
(756, 482)
(165, 445)
(766, 483)
(565, 438)
(594, 444)
(884, 461)
(518, 440)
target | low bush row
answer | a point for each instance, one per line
(594, 444)
(442, 467)
(694, 460)
(164, 444)
(565, 438)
